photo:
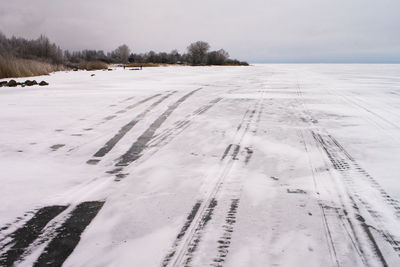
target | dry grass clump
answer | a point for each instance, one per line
(138, 65)
(93, 65)
(17, 67)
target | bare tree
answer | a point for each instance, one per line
(121, 54)
(219, 57)
(43, 45)
(198, 52)
(41, 49)
(3, 43)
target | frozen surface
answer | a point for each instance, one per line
(267, 165)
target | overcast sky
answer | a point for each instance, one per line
(253, 30)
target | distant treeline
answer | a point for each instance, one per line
(39, 49)
(197, 54)
(15, 52)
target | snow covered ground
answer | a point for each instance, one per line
(267, 165)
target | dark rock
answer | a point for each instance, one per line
(93, 75)
(110, 69)
(3, 83)
(75, 69)
(12, 83)
(43, 83)
(30, 83)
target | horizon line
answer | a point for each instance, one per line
(323, 62)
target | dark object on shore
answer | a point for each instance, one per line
(43, 83)
(135, 69)
(92, 75)
(30, 83)
(110, 69)
(75, 69)
(12, 83)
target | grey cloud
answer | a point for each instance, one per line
(269, 30)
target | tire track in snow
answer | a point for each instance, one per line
(259, 116)
(135, 151)
(124, 130)
(235, 151)
(64, 234)
(350, 219)
(228, 148)
(104, 120)
(225, 240)
(380, 122)
(205, 218)
(68, 235)
(196, 207)
(350, 172)
(184, 228)
(384, 243)
(249, 154)
(138, 103)
(345, 163)
(336, 221)
(110, 117)
(183, 254)
(19, 221)
(376, 115)
(60, 235)
(181, 125)
(25, 235)
(382, 108)
(126, 99)
(340, 229)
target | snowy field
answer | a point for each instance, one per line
(267, 165)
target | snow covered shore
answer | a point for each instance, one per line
(267, 165)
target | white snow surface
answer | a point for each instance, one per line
(312, 164)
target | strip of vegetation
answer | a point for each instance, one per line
(11, 66)
(92, 65)
(141, 64)
(198, 54)
(20, 57)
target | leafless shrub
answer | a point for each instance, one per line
(137, 65)
(93, 65)
(16, 67)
